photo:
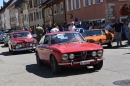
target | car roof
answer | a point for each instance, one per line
(18, 31)
(61, 32)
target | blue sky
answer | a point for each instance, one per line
(1, 2)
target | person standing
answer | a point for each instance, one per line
(55, 28)
(117, 27)
(72, 27)
(39, 32)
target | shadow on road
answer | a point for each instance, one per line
(7, 53)
(3, 46)
(115, 47)
(46, 72)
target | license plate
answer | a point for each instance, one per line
(84, 62)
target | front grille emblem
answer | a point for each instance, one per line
(83, 54)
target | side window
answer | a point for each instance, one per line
(46, 40)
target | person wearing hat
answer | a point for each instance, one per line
(72, 27)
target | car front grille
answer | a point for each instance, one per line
(79, 54)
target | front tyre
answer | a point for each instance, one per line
(39, 61)
(98, 66)
(54, 65)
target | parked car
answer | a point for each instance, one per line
(6, 39)
(2, 36)
(6, 34)
(68, 50)
(21, 41)
(99, 36)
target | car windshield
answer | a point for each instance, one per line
(92, 33)
(22, 34)
(66, 37)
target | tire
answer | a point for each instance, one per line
(98, 66)
(110, 43)
(39, 61)
(100, 42)
(56, 69)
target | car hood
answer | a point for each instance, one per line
(76, 47)
(19, 40)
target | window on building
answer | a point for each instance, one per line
(25, 17)
(30, 3)
(34, 16)
(37, 15)
(97, 1)
(77, 4)
(55, 9)
(31, 16)
(69, 5)
(87, 3)
(61, 7)
(48, 11)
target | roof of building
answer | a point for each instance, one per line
(5, 6)
(18, 3)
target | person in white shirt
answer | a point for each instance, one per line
(55, 28)
(72, 27)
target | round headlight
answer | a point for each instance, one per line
(100, 53)
(17, 47)
(94, 53)
(71, 56)
(65, 57)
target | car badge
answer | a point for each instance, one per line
(83, 54)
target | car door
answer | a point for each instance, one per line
(44, 49)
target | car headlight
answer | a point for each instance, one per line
(71, 56)
(17, 47)
(100, 53)
(65, 57)
(35, 41)
(94, 53)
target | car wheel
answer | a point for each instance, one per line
(54, 65)
(98, 66)
(99, 42)
(110, 43)
(39, 61)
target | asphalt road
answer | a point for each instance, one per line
(21, 70)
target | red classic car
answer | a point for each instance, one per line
(67, 50)
(21, 41)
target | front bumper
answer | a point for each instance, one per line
(23, 49)
(85, 62)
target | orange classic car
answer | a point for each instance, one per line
(21, 41)
(99, 36)
(67, 50)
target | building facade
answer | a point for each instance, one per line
(14, 21)
(25, 14)
(91, 10)
(35, 13)
(54, 11)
